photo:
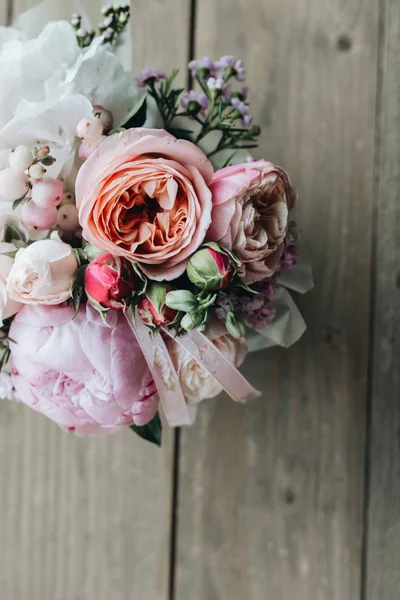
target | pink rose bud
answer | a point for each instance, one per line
(211, 268)
(109, 281)
(152, 309)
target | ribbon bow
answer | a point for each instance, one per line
(177, 411)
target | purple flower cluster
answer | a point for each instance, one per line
(194, 102)
(255, 310)
(227, 66)
(243, 109)
(148, 75)
(290, 258)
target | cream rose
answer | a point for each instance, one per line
(42, 273)
(8, 307)
(197, 384)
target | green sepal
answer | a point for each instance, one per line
(136, 118)
(78, 288)
(152, 431)
(234, 327)
(12, 234)
(156, 293)
(238, 283)
(19, 201)
(182, 300)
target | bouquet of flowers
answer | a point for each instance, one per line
(143, 252)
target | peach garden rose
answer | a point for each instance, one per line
(144, 195)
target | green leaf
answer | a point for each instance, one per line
(11, 233)
(234, 326)
(152, 432)
(19, 201)
(48, 161)
(136, 117)
(156, 292)
(182, 300)
(181, 134)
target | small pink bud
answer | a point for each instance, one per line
(152, 308)
(109, 281)
(211, 269)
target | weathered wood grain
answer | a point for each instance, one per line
(271, 495)
(3, 12)
(383, 532)
(89, 519)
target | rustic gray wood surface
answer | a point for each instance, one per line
(272, 503)
(383, 453)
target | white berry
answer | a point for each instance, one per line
(21, 158)
(37, 217)
(104, 116)
(47, 192)
(68, 217)
(13, 184)
(37, 171)
(90, 129)
(68, 198)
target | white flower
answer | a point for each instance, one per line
(42, 273)
(8, 307)
(48, 84)
(197, 384)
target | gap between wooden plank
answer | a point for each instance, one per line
(177, 433)
(373, 304)
(9, 11)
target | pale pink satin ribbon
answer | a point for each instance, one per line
(176, 409)
(206, 354)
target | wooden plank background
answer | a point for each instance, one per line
(271, 501)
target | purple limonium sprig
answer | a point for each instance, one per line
(149, 76)
(115, 20)
(262, 318)
(290, 258)
(203, 66)
(195, 103)
(231, 66)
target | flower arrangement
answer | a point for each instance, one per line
(143, 251)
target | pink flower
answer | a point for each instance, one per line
(152, 308)
(109, 281)
(144, 195)
(84, 375)
(251, 204)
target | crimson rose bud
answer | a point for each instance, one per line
(210, 269)
(152, 308)
(109, 281)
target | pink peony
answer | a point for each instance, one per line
(84, 375)
(144, 195)
(251, 204)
